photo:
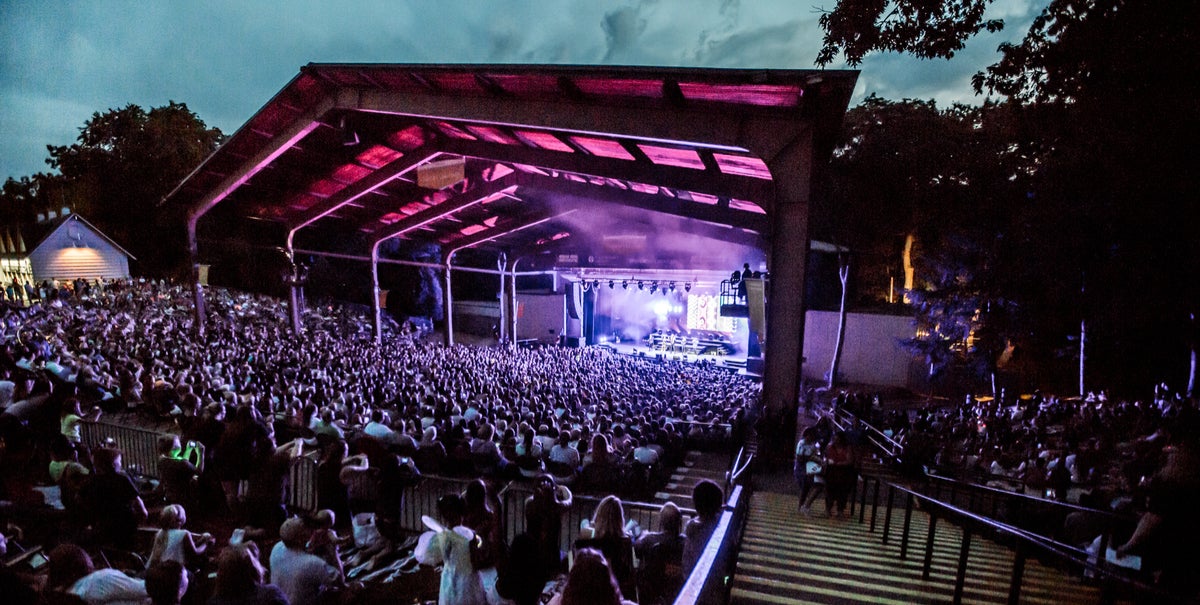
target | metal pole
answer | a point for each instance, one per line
(502, 325)
(448, 299)
(908, 506)
(929, 546)
(875, 504)
(376, 314)
(412, 263)
(197, 289)
(963, 553)
(1014, 586)
(887, 519)
(512, 315)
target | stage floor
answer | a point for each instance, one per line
(733, 362)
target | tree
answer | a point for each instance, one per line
(952, 180)
(925, 28)
(1112, 87)
(123, 163)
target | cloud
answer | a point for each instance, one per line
(622, 29)
(62, 61)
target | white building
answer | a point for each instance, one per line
(63, 248)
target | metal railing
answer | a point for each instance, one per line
(1113, 580)
(139, 447)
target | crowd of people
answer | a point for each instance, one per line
(249, 396)
(1139, 459)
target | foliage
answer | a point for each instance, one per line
(925, 28)
(116, 173)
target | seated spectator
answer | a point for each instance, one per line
(240, 579)
(1167, 532)
(173, 543)
(708, 498)
(660, 556)
(72, 572)
(607, 533)
(302, 577)
(166, 583)
(591, 582)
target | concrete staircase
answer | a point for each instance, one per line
(787, 557)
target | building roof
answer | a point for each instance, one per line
(522, 158)
(31, 236)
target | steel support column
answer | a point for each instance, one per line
(448, 303)
(512, 302)
(197, 289)
(376, 314)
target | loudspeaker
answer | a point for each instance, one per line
(575, 300)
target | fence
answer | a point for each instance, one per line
(139, 447)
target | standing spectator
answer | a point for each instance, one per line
(173, 542)
(116, 506)
(840, 475)
(807, 468)
(450, 546)
(543, 521)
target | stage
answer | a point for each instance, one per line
(734, 362)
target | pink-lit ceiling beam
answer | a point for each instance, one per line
(585, 192)
(365, 186)
(702, 181)
(475, 240)
(461, 201)
(278, 145)
(425, 217)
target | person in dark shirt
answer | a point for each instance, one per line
(116, 506)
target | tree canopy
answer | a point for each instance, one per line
(116, 173)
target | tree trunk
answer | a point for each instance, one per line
(1082, 355)
(1191, 384)
(843, 276)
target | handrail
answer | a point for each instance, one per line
(699, 587)
(889, 446)
(1025, 540)
(968, 486)
(1032, 499)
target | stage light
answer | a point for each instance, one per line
(611, 283)
(687, 287)
(672, 286)
(653, 287)
(595, 284)
(641, 285)
(624, 284)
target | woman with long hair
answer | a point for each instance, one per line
(240, 579)
(591, 582)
